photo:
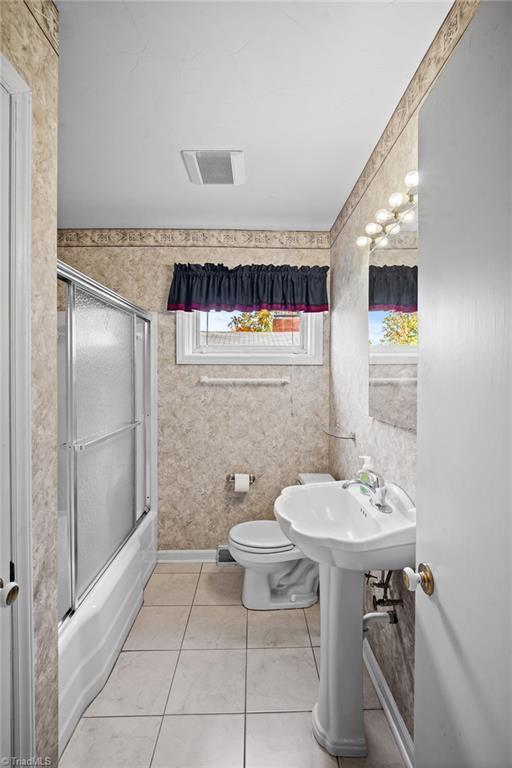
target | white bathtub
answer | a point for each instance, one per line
(90, 641)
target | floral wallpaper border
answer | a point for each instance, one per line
(229, 238)
(449, 34)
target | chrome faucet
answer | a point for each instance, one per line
(374, 482)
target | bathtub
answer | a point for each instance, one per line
(91, 639)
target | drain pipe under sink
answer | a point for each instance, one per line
(378, 617)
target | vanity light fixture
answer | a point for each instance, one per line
(388, 221)
(383, 216)
(411, 179)
(373, 229)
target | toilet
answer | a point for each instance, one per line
(277, 574)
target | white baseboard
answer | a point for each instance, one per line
(186, 555)
(396, 723)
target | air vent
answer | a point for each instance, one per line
(212, 166)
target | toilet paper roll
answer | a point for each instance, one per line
(241, 483)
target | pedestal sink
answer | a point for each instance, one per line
(342, 530)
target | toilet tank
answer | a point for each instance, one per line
(305, 478)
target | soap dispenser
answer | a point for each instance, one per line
(367, 462)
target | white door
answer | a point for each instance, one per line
(16, 685)
(463, 696)
(5, 431)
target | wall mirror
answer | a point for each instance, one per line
(393, 333)
(393, 336)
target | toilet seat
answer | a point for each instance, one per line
(277, 574)
(260, 537)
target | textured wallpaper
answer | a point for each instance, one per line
(30, 48)
(393, 450)
(208, 432)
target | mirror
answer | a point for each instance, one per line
(393, 333)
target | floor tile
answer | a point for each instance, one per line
(138, 685)
(313, 620)
(211, 627)
(112, 742)
(219, 589)
(281, 679)
(370, 698)
(316, 652)
(382, 749)
(284, 740)
(277, 629)
(170, 589)
(200, 741)
(208, 682)
(214, 568)
(158, 628)
(178, 567)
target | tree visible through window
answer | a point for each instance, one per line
(253, 322)
(397, 328)
(261, 327)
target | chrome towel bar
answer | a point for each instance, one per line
(258, 382)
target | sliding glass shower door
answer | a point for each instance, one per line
(103, 429)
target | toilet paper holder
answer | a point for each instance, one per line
(231, 478)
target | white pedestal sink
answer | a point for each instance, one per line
(342, 530)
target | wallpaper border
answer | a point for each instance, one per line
(447, 37)
(224, 238)
(46, 14)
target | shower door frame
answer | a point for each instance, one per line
(74, 278)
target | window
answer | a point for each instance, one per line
(393, 336)
(249, 338)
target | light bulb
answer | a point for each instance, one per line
(382, 242)
(393, 229)
(362, 241)
(383, 215)
(373, 229)
(408, 217)
(396, 200)
(411, 179)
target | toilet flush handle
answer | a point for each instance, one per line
(423, 578)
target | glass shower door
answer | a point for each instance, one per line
(105, 432)
(104, 423)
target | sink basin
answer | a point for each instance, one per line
(341, 527)
(342, 530)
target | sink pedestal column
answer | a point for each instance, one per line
(338, 715)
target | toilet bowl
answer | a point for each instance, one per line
(277, 574)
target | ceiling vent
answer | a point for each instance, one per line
(213, 166)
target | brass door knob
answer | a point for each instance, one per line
(8, 593)
(423, 577)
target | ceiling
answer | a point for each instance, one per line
(305, 89)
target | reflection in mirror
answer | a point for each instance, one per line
(393, 331)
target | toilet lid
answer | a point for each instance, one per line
(261, 534)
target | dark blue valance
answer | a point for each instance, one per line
(248, 288)
(394, 288)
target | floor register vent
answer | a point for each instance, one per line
(224, 555)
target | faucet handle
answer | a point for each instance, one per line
(371, 478)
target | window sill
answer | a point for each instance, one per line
(394, 356)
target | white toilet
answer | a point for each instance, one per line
(277, 574)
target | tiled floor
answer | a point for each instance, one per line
(203, 683)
